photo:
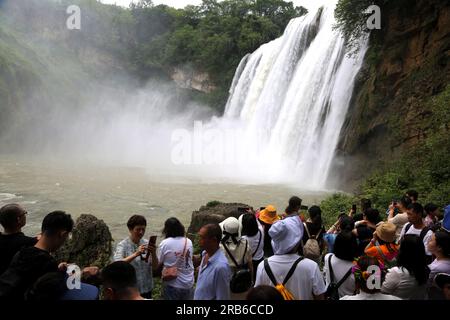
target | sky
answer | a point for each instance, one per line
(183, 3)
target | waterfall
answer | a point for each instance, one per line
(290, 98)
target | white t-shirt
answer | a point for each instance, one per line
(399, 220)
(170, 252)
(304, 282)
(340, 268)
(256, 245)
(400, 283)
(438, 266)
(242, 255)
(417, 232)
(370, 296)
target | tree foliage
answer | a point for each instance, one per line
(351, 19)
(334, 205)
(212, 37)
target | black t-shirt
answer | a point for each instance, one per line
(268, 250)
(365, 234)
(28, 265)
(10, 244)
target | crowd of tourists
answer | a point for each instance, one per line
(402, 253)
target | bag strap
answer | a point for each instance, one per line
(229, 253)
(245, 251)
(288, 276)
(340, 282)
(330, 267)
(232, 257)
(423, 233)
(269, 272)
(259, 242)
(319, 233)
(407, 227)
(307, 231)
(291, 271)
(184, 249)
(349, 272)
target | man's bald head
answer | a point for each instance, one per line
(11, 216)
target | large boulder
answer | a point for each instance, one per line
(214, 212)
(90, 245)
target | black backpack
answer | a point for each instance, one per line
(332, 292)
(241, 280)
(423, 232)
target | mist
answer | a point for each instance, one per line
(82, 105)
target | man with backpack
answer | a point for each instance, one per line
(296, 277)
(417, 226)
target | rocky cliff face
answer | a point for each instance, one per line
(188, 78)
(388, 108)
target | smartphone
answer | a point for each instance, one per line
(146, 255)
(153, 239)
(262, 208)
(354, 208)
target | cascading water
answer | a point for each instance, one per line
(290, 98)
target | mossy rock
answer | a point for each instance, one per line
(90, 245)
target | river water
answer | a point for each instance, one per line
(115, 193)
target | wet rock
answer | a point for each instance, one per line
(214, 212)
(90, 245)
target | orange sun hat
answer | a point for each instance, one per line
(269, 215)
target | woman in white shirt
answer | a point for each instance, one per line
(254, 233)
(407, 280)
(439, 246)
(176, 251)
(345, 248)
(237, 251)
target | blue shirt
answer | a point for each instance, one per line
(330, 238)
(214, 278)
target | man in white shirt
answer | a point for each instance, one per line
(401, 218)
(306, 282)
(417, 226)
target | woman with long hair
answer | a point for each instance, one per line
(175, 253)
(407, 280)
(254, 233)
